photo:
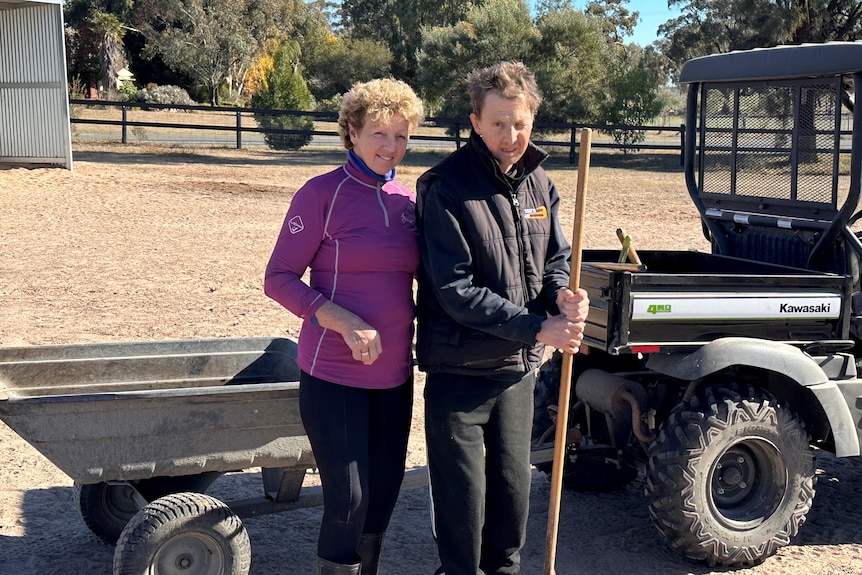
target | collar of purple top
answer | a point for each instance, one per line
(355, 159)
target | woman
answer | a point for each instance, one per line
(354, 227)
(493, 291)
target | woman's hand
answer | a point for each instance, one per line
(364, 342)
(362, 339)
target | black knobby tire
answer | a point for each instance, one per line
(106, 508)
(731, 477)
(184, 533)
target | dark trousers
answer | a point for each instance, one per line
(359, 439)
(478, 437)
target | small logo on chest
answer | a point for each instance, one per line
(539, 213)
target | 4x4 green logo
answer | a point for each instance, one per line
(658, 308)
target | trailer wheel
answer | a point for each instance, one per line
(731, 477)
(107, 507)
(183, 533)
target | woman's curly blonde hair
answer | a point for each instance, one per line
(378, 100)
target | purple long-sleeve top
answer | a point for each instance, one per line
(358, 237)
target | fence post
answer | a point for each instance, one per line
(124, 138)
(238, 128)
(457, 135)
(572, 144)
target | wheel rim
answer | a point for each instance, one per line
(747, 483)
(190, 554)
(118, 503)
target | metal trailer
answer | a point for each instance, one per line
(144, 428)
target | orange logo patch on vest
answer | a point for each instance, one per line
(539, 213)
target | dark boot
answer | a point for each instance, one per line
(325, 567)
(370, 546)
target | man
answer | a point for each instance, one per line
(493, 291)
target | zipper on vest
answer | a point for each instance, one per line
(516, 213)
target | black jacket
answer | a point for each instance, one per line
(493, 257)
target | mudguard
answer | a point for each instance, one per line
(773, 356)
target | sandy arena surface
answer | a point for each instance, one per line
(142, 243)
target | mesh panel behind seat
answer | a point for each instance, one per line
(766, 147)
(768, 170)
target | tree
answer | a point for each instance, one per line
(331, 11)
(213, 40)
(617, 20)
(95, 41)
(366, 19)
(77, 12)
(542, 7)
(571, 60)
(580, 72)
(398, 25)
(498, 30)
(654, 60)
(632, 98)
(256, 78)
(334, 66)
(112, 59)
(710, 26)
(284, 89)
(82, 57)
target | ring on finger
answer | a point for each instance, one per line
(366, 352)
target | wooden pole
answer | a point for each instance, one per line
(566, 373)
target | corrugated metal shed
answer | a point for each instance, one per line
(34, 100)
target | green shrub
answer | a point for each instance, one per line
(284, 89)
(128, 92)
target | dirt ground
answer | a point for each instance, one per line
(142, 243)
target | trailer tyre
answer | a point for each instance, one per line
(184, 533)
(731, 477)
(107, 507)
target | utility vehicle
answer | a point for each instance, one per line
(719, 374)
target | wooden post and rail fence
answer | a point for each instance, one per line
(233, 123)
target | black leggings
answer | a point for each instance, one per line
(359, 439)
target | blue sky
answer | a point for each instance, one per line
(653, 13)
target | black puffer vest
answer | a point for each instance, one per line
(493, 258)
